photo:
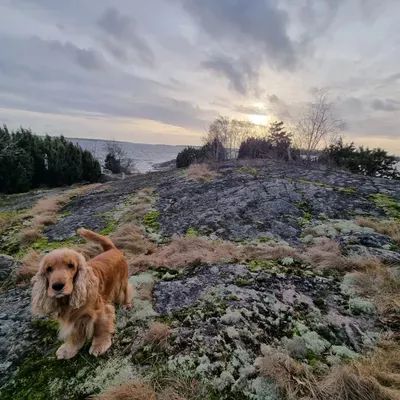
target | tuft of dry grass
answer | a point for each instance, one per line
(292, 378)
(380, 283)
(326, 254)
(28, 236)
(132, 240)
(29, 266)
(185, 251)
(165, 388)
(386, 227)
(200, 173)
(133, 390)
(373, 377)
(157, 334)
(266, 252)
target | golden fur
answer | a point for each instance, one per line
(80, 294)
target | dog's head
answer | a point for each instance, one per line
(63, 279)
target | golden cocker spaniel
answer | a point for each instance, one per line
(80, 293)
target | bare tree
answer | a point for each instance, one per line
(318, 124)
(117, 159)
(219, 133)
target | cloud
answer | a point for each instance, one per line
(122, 36)
(273, 98)
(54, 77)
(259, 25)
(239, 74)
(385, 105)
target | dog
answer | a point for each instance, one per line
(80, 294)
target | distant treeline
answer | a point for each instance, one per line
(29, 161)
(230, 139)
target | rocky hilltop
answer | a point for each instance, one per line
(252, 282)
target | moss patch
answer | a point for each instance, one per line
(150, 220)
(389, 204)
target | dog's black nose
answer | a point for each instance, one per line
(57, 286)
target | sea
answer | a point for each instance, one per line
(145, 156)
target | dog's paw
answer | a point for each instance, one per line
(66, 351)
(97, 349)
(127, 306)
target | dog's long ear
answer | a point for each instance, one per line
(85, 284)
(42, 304)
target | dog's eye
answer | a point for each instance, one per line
(49, 269)
(71, 266)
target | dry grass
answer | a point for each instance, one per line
(30, 265)
(157, 334)
(128, 391)
(326, 254)
(267, 252)
(28, 236)
(292, 378)
(44, 212)
(386, 227)
(200, 173)
(132, 240)
(374, 377)
(380, 283)
(162, 389)
(185, 251)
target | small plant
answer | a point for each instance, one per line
(388, 203)
(150, 220)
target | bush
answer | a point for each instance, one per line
(186, 157)
(276, 144)
(28, 161)
(375, 162)
(212, 151)
(254, 148)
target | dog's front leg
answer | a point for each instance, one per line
(75, 336)
(103, 331)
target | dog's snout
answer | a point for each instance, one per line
(57, 286)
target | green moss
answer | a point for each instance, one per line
(248, 170)
(259, 265)
(150, 220)
(43, 244)
(264, 239)
(192, 232)
(347, 190)
(306, 208)
(110, 227)
(387, 203)
(242, 282)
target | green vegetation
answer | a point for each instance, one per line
(28, 161)
(193, 232)
(387, 203)
(372, 162)
(150, 220)
(248, 170)
(213, 150)
(277, 144)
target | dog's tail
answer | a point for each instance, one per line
(103, 241)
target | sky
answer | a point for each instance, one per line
(159, 71)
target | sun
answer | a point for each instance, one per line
(258, 119)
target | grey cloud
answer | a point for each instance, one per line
(122, 36)
(273, 98)
(44, 76)
(238, 73)
(385, 105)
(257, 23)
